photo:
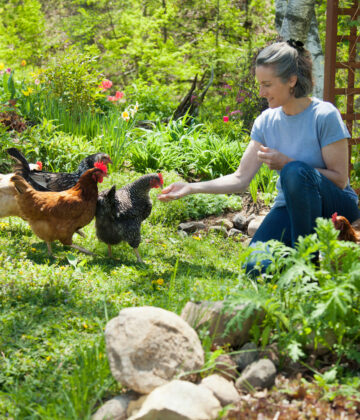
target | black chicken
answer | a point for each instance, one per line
(119, 213)
(51, 181)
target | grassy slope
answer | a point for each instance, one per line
(53, 311)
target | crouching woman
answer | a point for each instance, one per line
(301, 137)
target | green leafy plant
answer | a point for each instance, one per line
(309, 304)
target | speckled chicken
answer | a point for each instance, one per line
(119, 213)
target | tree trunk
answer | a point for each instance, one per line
(296, 19)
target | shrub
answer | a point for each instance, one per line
(72, 80)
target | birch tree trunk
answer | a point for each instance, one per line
(296, 19)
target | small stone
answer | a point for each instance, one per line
(234, 232)
(239, 221)
(254, 225)
(191, 227)
(218, 229)
(223, 390)
(260, 374)
(247, 355)
(225, 222)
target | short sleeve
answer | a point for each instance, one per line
(331, 127)
(258, 129)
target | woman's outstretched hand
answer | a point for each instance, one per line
(174, 191)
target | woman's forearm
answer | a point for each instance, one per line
(227, 184)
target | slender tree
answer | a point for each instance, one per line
(296, 19)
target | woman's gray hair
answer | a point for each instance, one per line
(288, 61)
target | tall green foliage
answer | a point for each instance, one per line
(22, 27)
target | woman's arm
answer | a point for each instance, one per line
(233, 183)
(335, 156)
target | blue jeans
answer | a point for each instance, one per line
(308, 195)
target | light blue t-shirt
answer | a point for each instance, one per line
(301, 136)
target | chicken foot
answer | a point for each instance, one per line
(84, 250)
(139, 260)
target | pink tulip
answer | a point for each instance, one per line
(226, 118)
(105, 84)
(8, 71)
(119, 95)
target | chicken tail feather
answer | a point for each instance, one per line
(22, 163)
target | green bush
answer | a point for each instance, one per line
(72, 80)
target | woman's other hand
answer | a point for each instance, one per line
(175, 191)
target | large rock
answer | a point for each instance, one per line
(148, 346)
(177, 400)
(212, 316)
(260, 374)
(223, 390)
(115, 409)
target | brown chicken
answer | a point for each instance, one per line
(57, 215)
(347, 231)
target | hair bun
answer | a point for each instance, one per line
(298, 45)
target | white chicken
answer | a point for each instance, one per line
(8, 203)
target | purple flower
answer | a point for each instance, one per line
(227, 87)
(237, 111)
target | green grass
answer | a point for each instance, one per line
(53, 363)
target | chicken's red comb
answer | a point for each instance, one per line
(333, 217)
(39, 164)
(101, 165)
(161, 178)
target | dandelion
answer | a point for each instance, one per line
(125, 116)
(48, 358)
(85, 325)
(2, 65)
(23, 63)
(226, 118)
(37, 82)
(33, 249)
(163, 245)
(197, 238)
(160, 282)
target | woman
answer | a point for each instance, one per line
(303, 138)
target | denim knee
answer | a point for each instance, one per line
(294, 175)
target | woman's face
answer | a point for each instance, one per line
(272, 88)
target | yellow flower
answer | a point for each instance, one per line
(2, 65)
(197, 238)
(33, 249)
(48, 358)
(27, 92)
(164, 245)
(84, 325)
(160, 282)
(23, 63)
